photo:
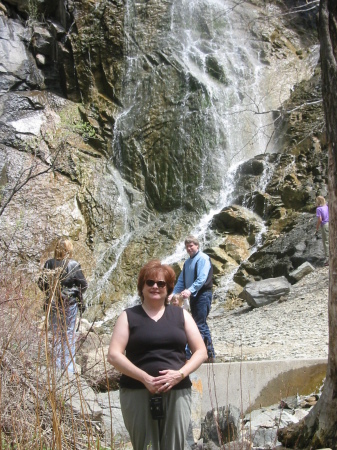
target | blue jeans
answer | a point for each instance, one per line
(200, 308)
(63, 323)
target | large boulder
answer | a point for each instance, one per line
(287, 251)
(236, 246)
(222, 263)
(263, 292)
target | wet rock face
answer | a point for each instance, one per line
(161, 138)
(97, 44)
(144, 141)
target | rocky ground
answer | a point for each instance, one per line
(293, 327)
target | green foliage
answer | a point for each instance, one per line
(5, 445)
(84, 129)
(72, 122)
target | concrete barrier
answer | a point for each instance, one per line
(252, 384)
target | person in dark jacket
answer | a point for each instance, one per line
(63, 282)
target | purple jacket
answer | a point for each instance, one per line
(323, 212)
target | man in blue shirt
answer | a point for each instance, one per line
(195, 283)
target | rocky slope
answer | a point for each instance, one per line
(293, 327)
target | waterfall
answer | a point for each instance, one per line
(201, 227)
(215, 48)
(197, 80)
(197, 101)
(235, 97)
(216, 82)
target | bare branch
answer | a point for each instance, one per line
(26, 176)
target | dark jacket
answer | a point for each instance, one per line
(65, 278)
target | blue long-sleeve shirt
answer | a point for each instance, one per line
(203, 268)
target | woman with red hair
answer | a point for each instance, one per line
(148, 347)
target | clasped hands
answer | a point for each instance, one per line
(164, 382)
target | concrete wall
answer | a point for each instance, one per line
(250, 385)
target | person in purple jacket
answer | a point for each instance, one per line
(322, 214)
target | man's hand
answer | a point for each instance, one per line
(186, 293)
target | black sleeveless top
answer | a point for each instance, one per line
(155, 346)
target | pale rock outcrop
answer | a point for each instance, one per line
(91, 356)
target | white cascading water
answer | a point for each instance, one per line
(243, 109)
(238, 101)
(235, 106)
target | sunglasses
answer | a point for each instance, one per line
(160, 284)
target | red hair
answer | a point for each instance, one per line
(151, 270)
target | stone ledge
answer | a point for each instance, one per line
(252, 384)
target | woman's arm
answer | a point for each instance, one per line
(117, 358)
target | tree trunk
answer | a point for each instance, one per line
(319, 428)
